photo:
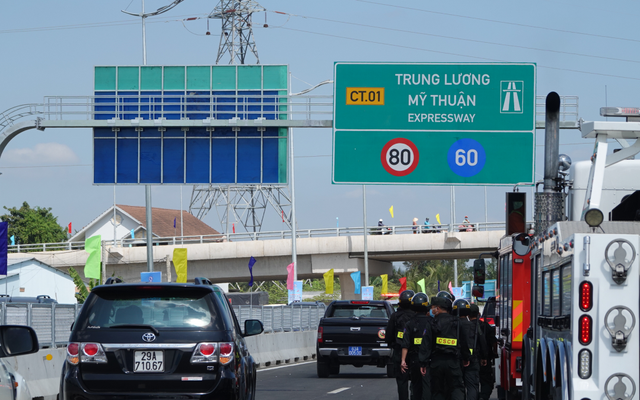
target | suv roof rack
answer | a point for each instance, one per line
(112, 280)
(202, 281)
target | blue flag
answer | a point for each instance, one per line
(133, 234)
(13, 240)
(356, 281)
(174, 222)
(4, 226)
(251, 262)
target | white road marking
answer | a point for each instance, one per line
(339, 390)
(284, 366)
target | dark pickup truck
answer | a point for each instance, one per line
(352, 332)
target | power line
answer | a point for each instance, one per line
(502, 22)
(456, 54)
(463, 39)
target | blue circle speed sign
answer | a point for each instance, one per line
(466, 157)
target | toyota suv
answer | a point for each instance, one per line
(160, 341)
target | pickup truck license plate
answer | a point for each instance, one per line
(148, 361)
(355, 350)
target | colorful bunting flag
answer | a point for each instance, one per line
(4, 227)
(133, 234)
(69, 227)
(450, 288)
(290, 276)
(403, 284)
(391, 211)
(251, 262)
(328, 281)
(438, 219)
(13, 240)
(385, 288)
(174, 222)
(93, 246)
(180, 264)
(421, 284)
(356, 281)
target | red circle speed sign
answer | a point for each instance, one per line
(399, 157)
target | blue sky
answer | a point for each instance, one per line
(582, 48)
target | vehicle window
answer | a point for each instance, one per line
(555, 293)
(546, 293)
(229, 313)
(359, 310)
(566, 290)
(167, 312)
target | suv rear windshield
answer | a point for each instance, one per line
(359, 310)
(159, 308)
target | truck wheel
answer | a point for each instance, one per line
(334, 369)
(323, 369)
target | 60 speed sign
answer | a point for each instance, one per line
(399, 157)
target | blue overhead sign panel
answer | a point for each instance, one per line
(170, 154)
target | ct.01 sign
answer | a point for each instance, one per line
(477, 119)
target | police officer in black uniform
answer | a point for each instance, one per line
(487, 370)
(449, 296)
(449, 349)
(394, 335)
(417, 331)
(462, 309)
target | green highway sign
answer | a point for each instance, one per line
(461, 124)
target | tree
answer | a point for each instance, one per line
(33, 225)
(83, 292)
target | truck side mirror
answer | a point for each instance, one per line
(479, 271)
(521, 244)
(478, 291)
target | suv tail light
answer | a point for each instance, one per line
(213, 352)
(205, 353)
(585, 325)
(319, 334)
(72, 353)
(86, 353)
(226, 353)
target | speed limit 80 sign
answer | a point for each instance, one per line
(399, 157)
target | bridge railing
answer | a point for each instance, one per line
(52, 322)
(286, 234)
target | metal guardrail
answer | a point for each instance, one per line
(273, 235)
(52, 322)
(211, 107)
(282, 318)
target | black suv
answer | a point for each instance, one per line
(160, 341)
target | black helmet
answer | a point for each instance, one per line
(474, 310)
(405, 298)
(446, 295)
(461, 307)
(441, 302)
(420, 303)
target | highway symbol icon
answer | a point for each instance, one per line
(399, 157)
(511, 97)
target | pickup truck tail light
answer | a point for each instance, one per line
(319, 334)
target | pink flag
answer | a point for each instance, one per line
(450, 288)
(290, 276)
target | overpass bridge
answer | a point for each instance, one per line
(224, 258)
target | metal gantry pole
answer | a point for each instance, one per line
(294, 255)
(147, 191)
(364, 224)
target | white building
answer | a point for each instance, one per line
(28, 277)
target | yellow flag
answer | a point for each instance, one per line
(391, 211)
(385, 289)
(328, 281)
(180, 264)
(438, 218)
